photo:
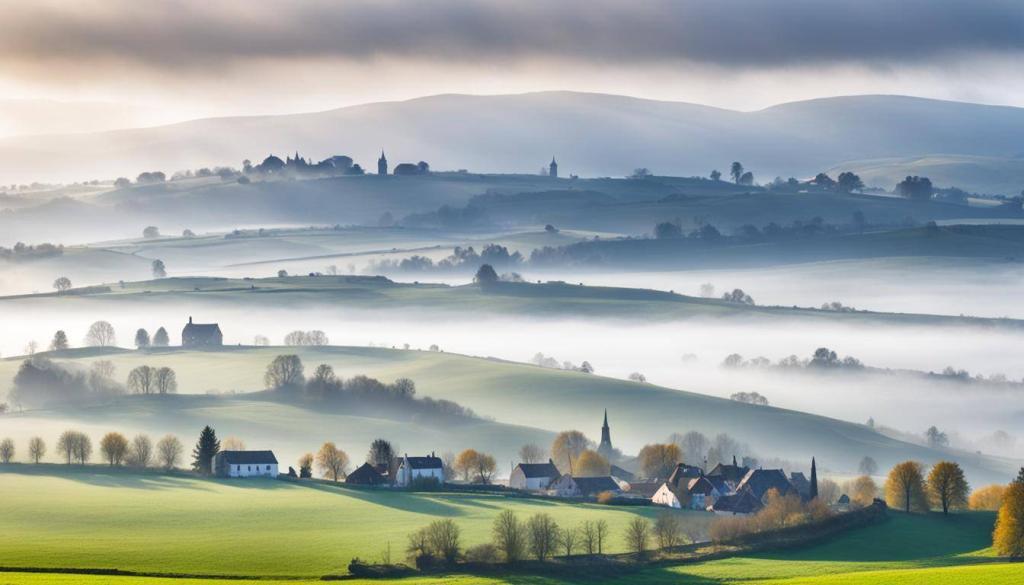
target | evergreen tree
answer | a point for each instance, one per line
(1020, 476)
(207, 446)
(60, 341)
(160, 338)
(814, 479)
(141, 338)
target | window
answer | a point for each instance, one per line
(268, 468)
(250, 468)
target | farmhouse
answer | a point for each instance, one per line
(245, 464)
(732, 474)
(739, 504)
(533, 476)
(574, 487)
(367, 474)
(201, 335)
(682, 474)
(704, 491)
(411, 469)
(759, 481)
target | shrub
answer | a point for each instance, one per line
(987, 498)
(605, 497)
(483, 553)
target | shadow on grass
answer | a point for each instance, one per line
(923, 539)
(417, 503)
(106, 476)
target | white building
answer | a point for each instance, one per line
(411, 469)
(245, 464)
(533, 476)
(666, 497)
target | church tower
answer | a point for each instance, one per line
(382, 164)
(605, 448)
(553, 172)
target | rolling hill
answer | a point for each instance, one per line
(526, 396)
(590, 134)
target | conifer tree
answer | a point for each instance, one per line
(206, 447)
(814, 479)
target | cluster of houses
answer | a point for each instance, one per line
(727, 489)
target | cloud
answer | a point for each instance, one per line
(203, 36)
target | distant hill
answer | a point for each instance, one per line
(590, 134)
(984, 174)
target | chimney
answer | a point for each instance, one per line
(190, 319)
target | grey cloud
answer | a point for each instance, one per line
(728, 33)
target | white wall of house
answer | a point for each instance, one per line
(665, 497)
(252, 470)
(407, 475)
(518, 480)
(564, 487)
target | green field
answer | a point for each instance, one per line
(267, 529)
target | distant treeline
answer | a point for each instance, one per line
(26, 253)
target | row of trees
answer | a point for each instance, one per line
(76, 447)
(102, 334)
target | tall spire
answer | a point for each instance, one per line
(605, 448)
(814, 480)
(605, 426)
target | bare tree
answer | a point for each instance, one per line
(62, 284)
(509, 535)
(601, 534)
(568, 540)
(169, 450)
(543, 533)
(101, 334)
(588, 537)
(6, 450)
(232, 444)
(443, 539)
(638, 533)
(284, 371)
(60, 341)
(166, 381)
(141, 380)
(36, 449)
(75, 446)
(114, 446)
(140, 454)
(332, 461)
(668, 529)
(531, 453)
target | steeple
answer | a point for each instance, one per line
(382, 164)
(553, 169)
(814, 480)
(605, 448)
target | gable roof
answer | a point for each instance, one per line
(741, 503)
(799, 481)
(623, 474)
(366, 474)
(759, 481)
(733, 473)
(247, 457)
(706, 485)
(428, 462)
(539, 469)
(681, 475)
(646, 489)
(589, 486)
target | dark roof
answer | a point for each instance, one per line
(684, 471)
(366, 474)
(799, 481)
(429, 462)
(540, 469)
(247, 457)
(741, 503)
(733, 473)
(843, 499)
(759, 481)
(202, 328)
(623, 474)
(590, 486)
(646, 489)
(705, 485)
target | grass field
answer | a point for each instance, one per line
(273, 529)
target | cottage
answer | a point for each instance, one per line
(201, 335)
(367, 474)
(682, 474)
(411, 469)
(760, 481)
(730, 473)
(575, 487)
(533, 476)
(666, 496)
(800, 483)
(740, 504)
(245, 464)
(642, 489)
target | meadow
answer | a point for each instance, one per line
(278, 530)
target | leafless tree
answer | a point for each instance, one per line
(232, 444)
(169, 450)
(6, 450)
(638, 533)
(36, 449)
(543, 533)
(509, 535)
(531, 453)
(140, 454)
(101, 334)
(285, 370)
(141, 380)
(166, 381)
(114, 447)
(62, 284)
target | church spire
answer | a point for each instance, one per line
(605, 448)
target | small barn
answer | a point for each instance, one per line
(367, 474)
(201, 335)
(245, 464)
(533, 476)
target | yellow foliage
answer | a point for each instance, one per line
(592, 464)
(989, 498)
(865, 490)
(947, 487)
(1008, 538)
(904, 488)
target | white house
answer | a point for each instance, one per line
(245, 464)
(533, 476)
(412, 468)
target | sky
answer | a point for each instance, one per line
(94, 64)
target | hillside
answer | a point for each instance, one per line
(513, 394)
(590, 134)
